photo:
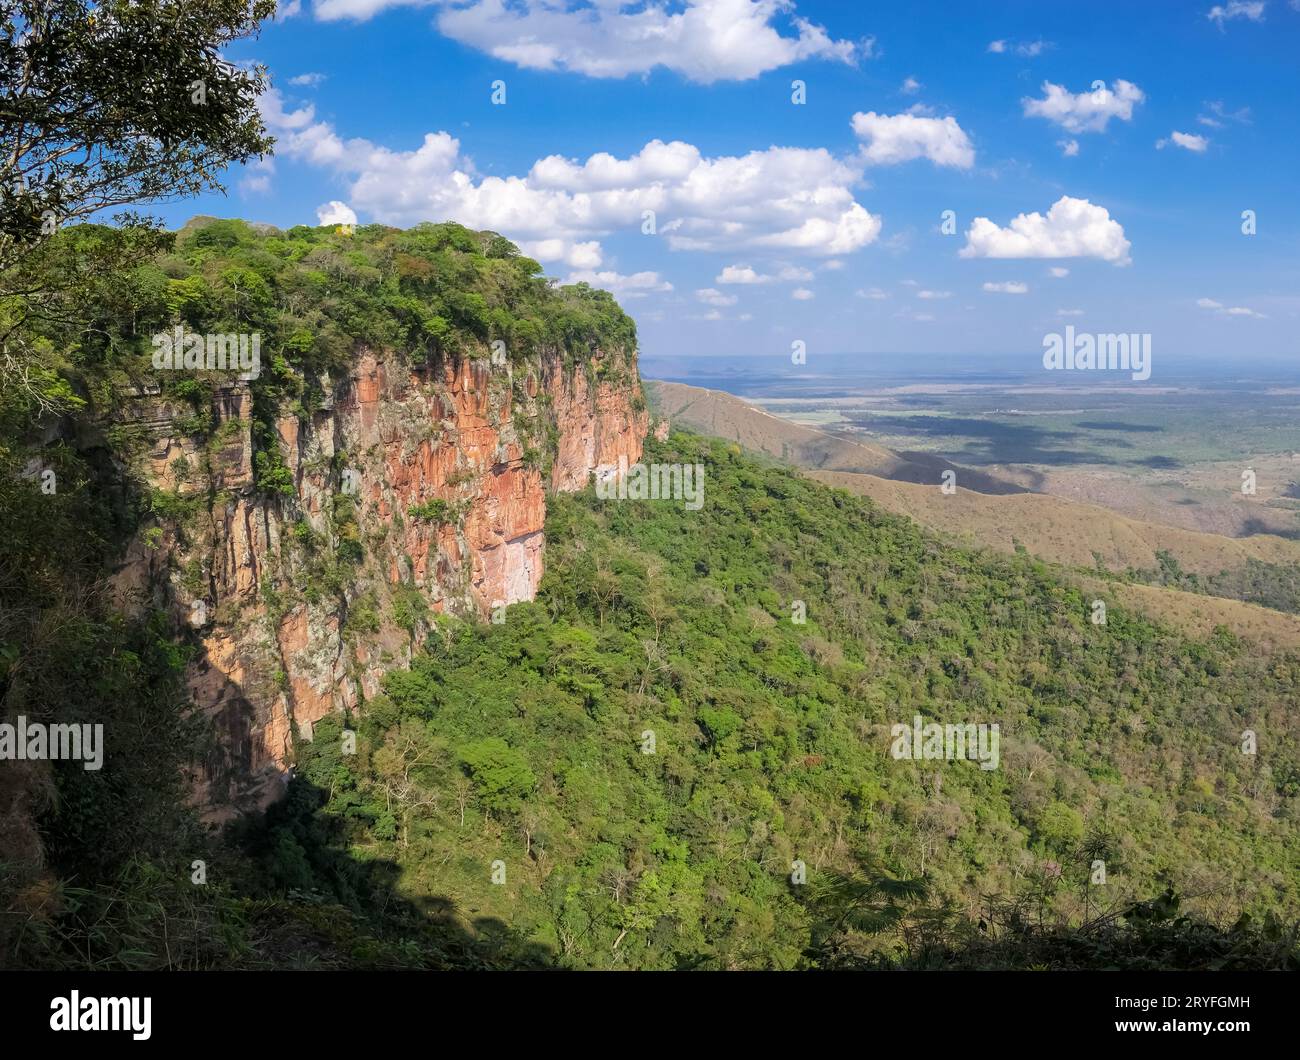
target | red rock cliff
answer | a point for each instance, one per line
(415, 491)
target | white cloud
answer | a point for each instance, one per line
(335, 213)
(1073, 228)
(1007, 287)
(633, 286)
(890, 139)
(834, 265)
(1069, 312)
(712, 296)
(1028, 48)
(307, 80)
(781, 199)
(1089, 111)
(1058, 272)
(745, 274)
(1190, 141)
(575, 255)
(1253, 10)
(258, 182)
(703, 40)
(741, 274)
(1069, 148)
(358, 10)
(802, 294)
(910, 86)
(875, 294)
(1228, 311)
(931, 295)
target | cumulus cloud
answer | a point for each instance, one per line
(745, 274)
(891, 139)
(1058, 272)
(1073, 228)
(703, 40)
(335, 213)
(1007, 287)
(712, 296)
(634, 286)
(874, 294)
(575, 255)
(997, 47)
(307, 80)
(1069, 148)
(741, 274)
(795, 200)
(932, 295)
(258, 180)
(1222, 310)
(1252, 10)
(1189, 141)
(1089, 111)
(802, 294)
(910, 86)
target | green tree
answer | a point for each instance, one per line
(501, 772)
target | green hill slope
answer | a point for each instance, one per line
(519, 748)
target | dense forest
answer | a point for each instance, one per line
(525, 742)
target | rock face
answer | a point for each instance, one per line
(406, 492)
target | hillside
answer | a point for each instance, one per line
(722, 415)
(1055, 529)
(771, 739)
(1069, 532)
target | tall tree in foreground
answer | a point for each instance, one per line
(107, 105)
(103, 105)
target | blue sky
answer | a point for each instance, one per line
(831, 209)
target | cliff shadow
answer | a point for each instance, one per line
(303, 857)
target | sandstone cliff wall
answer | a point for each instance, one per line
(299, 601)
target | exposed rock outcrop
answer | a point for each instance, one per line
(406, 491)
